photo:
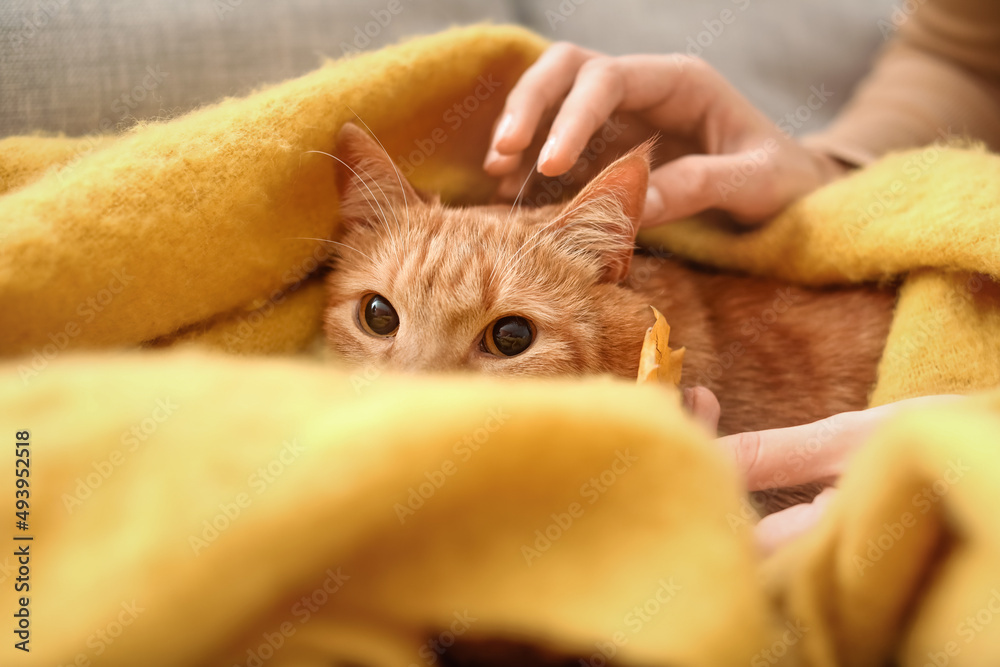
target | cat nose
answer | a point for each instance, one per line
(424, 367)
(422, 359)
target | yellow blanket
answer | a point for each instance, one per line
(187, 508)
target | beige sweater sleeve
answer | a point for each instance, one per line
(938, 77)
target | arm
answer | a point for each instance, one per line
(939, 78)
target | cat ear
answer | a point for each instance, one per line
(603, 219)
(368, 181)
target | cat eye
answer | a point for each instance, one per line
(508, 337)
(377, 316)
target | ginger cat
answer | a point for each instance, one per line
(557, 290)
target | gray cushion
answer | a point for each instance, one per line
(85, 66)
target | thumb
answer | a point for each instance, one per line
(744, 184)
(703, 406)
(813, 452)
(795, 455)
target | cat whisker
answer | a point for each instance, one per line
(534, 166)
(540, 231)
(619, 193)
(518, 254)
(406, 206)
(614, 212)
(399, 178)
(384, 220)
(381, 218)
(349, 247)
(520, 192)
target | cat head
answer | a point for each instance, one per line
(419, 286)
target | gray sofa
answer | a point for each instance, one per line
(88, 66)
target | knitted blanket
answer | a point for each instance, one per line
(188, 507)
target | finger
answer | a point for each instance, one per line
(540, 88)
(811, 452)
(497, 164)
(704, 407)
(776, 529)
(798, 454)
(686, 96)
(596, 94)
(664, 87)
(742, 184)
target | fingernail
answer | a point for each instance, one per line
(547, 150)
(491, 157)
(503, 127)
(653, 210)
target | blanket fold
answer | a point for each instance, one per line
(130, 239)
(196, 508)
(531, 510)
(906, 566)
(926, 217)
(200, 519)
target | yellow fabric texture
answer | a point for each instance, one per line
(173, 496)
(178, 228)
(183, 504)
(426, 493)
(928, 217)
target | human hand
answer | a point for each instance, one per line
(816, 452)
(723, 153)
